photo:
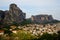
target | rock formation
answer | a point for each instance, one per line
(2, 15)
(14, 14)
(42, 18)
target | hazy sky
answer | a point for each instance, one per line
(35, 7)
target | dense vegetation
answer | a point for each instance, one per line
(22, 35)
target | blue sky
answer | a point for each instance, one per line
(35, 7)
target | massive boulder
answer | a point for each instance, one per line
(14, 14)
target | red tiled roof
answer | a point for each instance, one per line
(1, 30)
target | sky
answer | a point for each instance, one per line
(35, 7)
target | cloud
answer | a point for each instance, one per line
(29, 3)
(37, 2)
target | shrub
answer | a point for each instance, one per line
(22, 35)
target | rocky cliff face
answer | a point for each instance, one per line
(2, 15)
(14, 14)
(42, 18)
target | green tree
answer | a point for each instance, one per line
(46, 36)
(58, 35)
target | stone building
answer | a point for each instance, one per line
(14, 14)
(41, 18)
